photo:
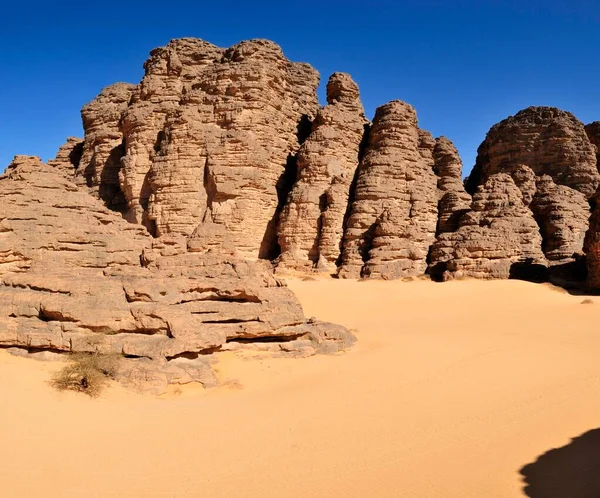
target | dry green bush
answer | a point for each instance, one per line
(87, 373)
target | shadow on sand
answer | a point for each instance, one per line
(572, 471)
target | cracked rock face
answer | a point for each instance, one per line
(593, 133)
(311, 225)
(562, 214)
(103, 147)
(494, 239)
(454, 200)
(552, 160)
(76, 277)
(545, 139)
(68, 156)
(210, 137)
(393, 215)
(592, 238)
(230, 145)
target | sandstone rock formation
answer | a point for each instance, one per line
(493, 239)
(562, 214)
(103, 147)
(223, 137)
(311, 226)
(228, 149)
(592, 241)
(76, 277)
(68, 156)
(593, 132)
(454, 200)
(547, 140)
(552, 160)
(393, 216)
(210, 137)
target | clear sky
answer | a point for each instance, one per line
(463, 64)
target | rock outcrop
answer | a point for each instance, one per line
(593, 132)
(211, 136)
(547, 140)
(497, 238)
(311, 225)
(393, 215)
(230, 145)
(454, 200)
(104, 147)
(553, 162)
(169, 73)
(68, 156)
(562, 214)
(76, 277)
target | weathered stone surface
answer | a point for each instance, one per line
(311, 225)
(75, 276)
(211, 136)
(592, 238)
(393, 216)
(169, 73)
(68, 156)
(592, 250)
(454, 200)
(228, 148)
(103, 147)
(593, 132)
(493, 239)
(562, 214)
(547, 140)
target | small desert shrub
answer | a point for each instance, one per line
(587, 301)
(87, 373)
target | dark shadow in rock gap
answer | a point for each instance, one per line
(352, 193)
(315, 251)
(435, 272)
(303, 128)
(571, 276)
(527, 270)
(75, 155)
(110, 189)
(145, 192)
(571, 471)
(269, 247)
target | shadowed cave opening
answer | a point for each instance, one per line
(528, 271)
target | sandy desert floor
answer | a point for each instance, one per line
(452, 389)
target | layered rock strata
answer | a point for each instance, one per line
(494, 239)
(552, 160)
(68, 156)
(234, 139)
(104, 147)
(393, 215)
(311, 225)
(211, 136)
(76, 277)
(547, 140)
(454, 201)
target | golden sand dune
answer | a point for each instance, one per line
(452, 389)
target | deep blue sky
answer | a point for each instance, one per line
(463, 64)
